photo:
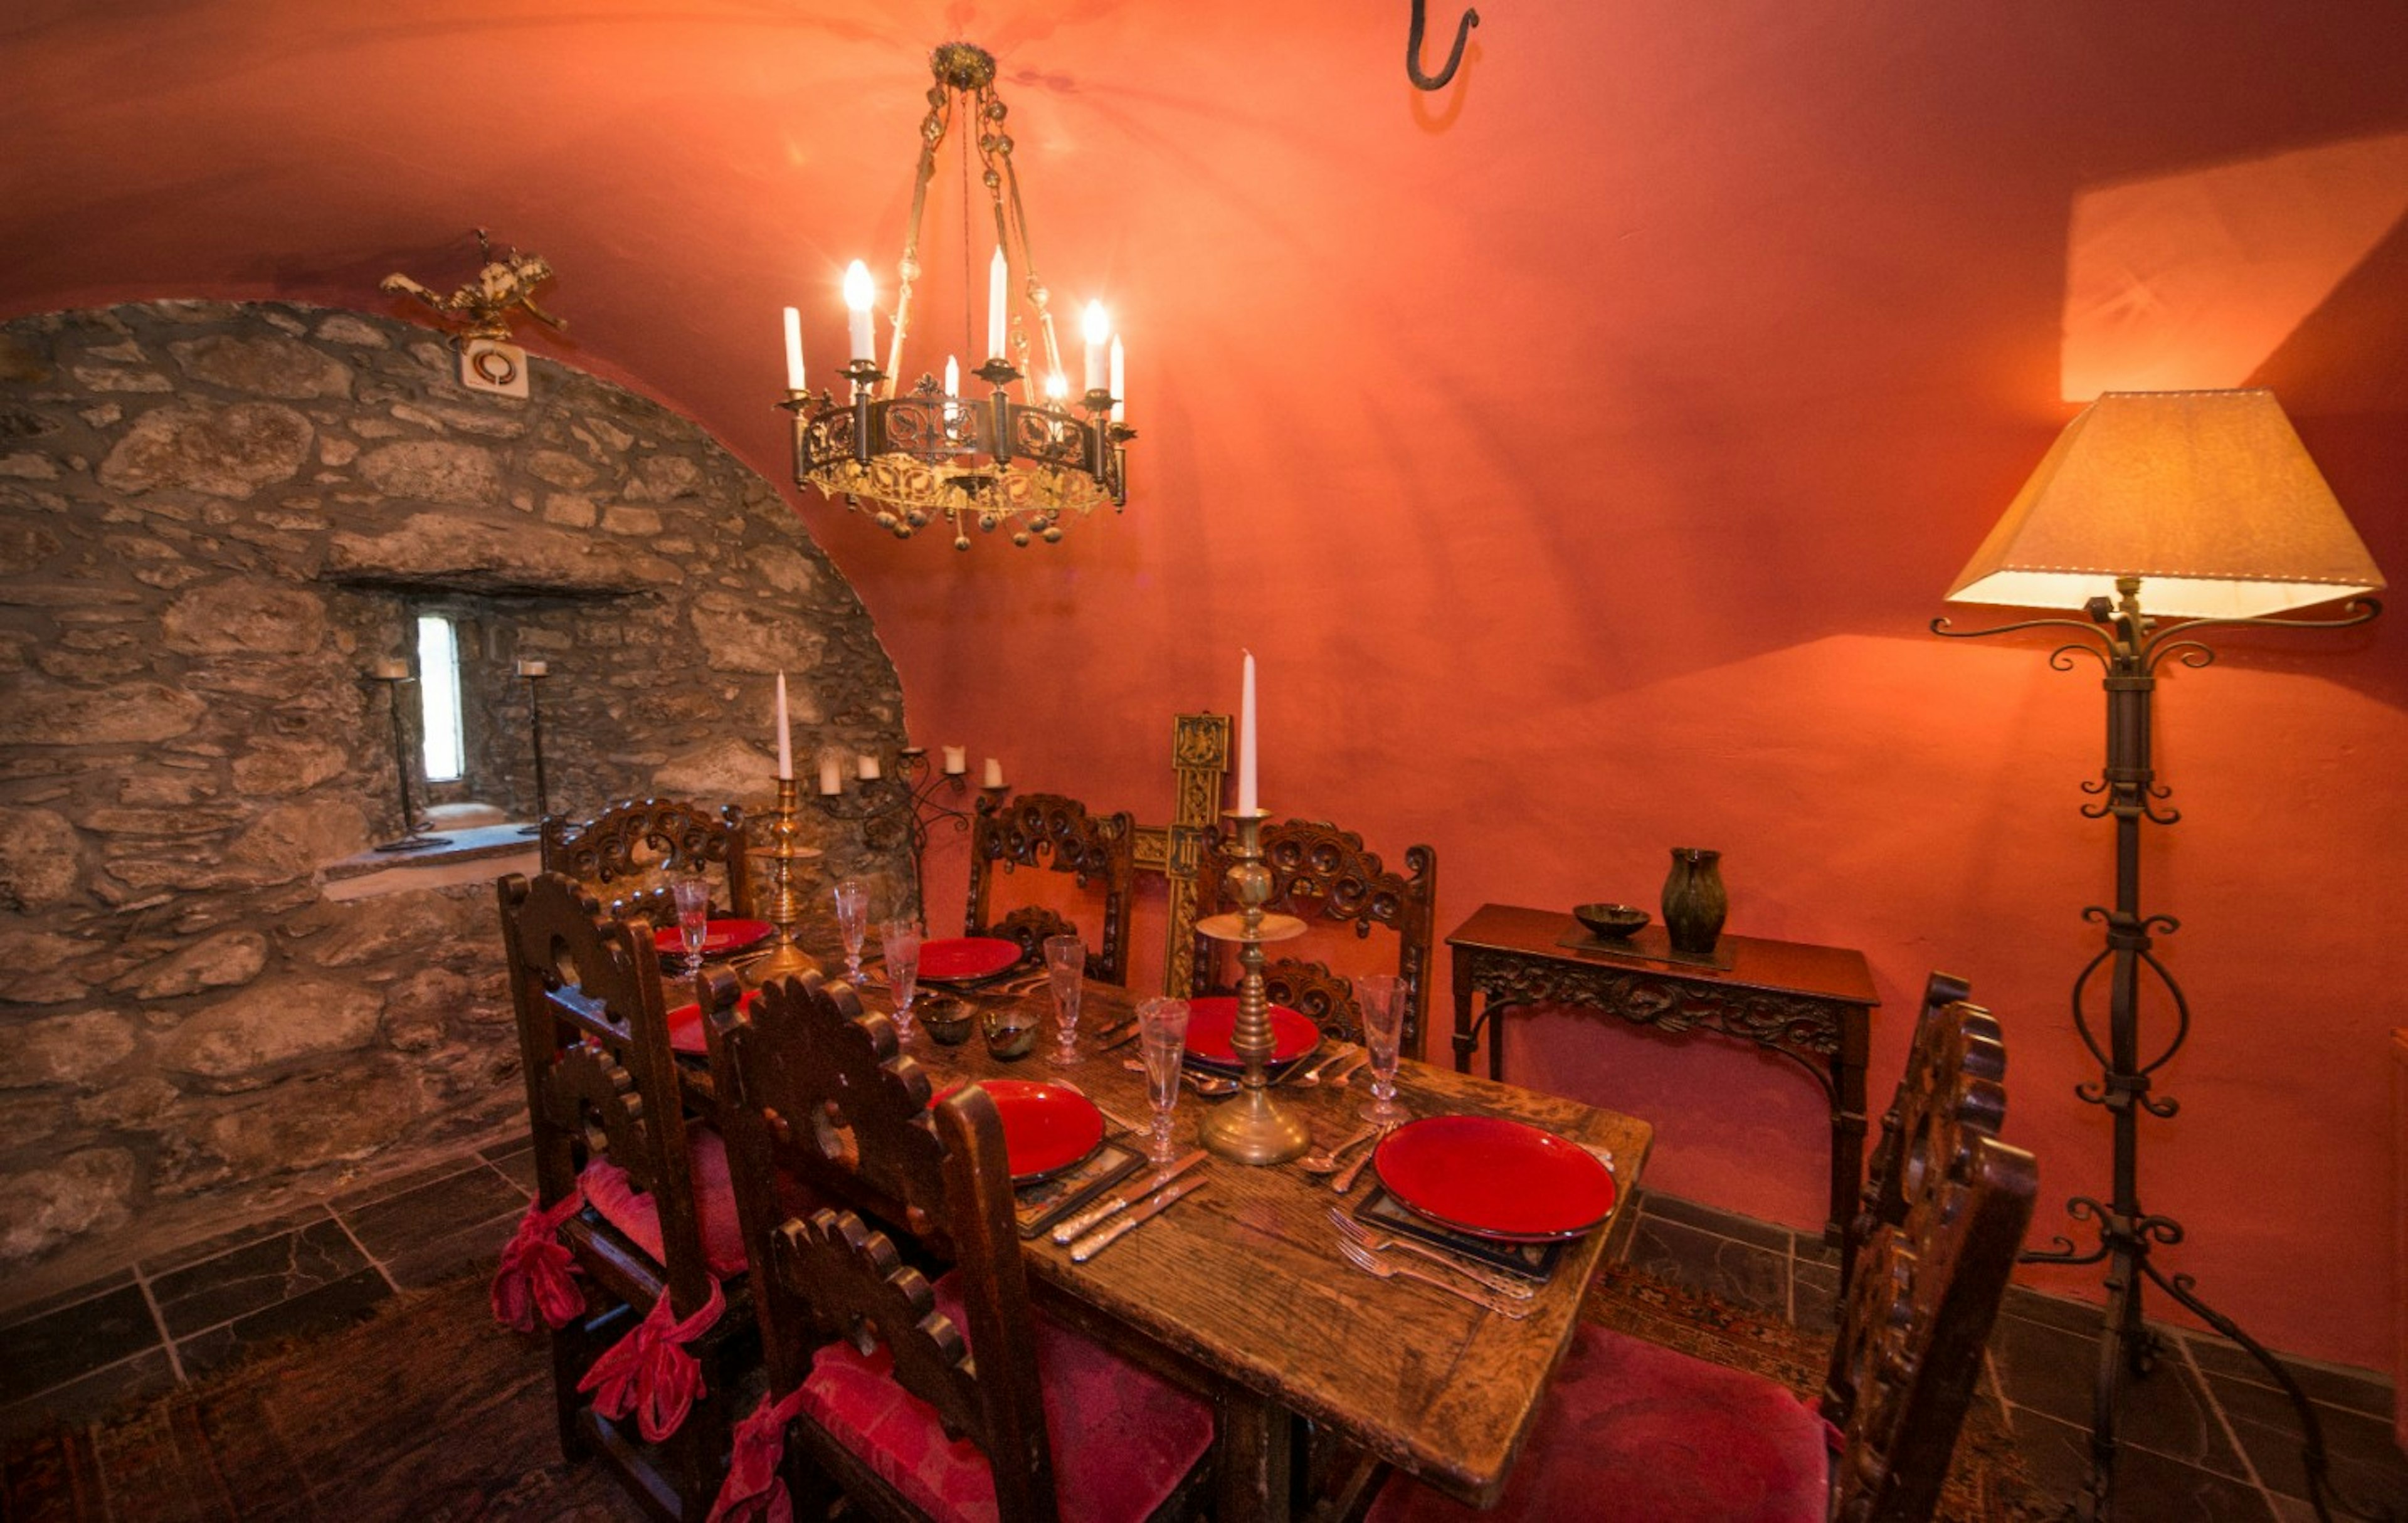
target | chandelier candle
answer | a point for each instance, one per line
(1028, 454)
(999, 310)
(1096, 327)
(957, 760)
(794, 350)
(859, 292)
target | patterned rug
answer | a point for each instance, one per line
(430, 1412)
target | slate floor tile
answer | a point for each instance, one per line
(71, 1342)
(31, 1309)
(337, 1303)
(1722, 1224)
(211, 1247)
(2150, 1487)
(2052, 1371)
(146, 1373)
(444, 1255)
(2356, 1392)
(2361, 1458)
(395, 1223)
(255, 1277)
(1739, 1273)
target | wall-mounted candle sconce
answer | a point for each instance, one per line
(900, 791)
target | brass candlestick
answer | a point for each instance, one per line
(1251, 1126)
(784, 906)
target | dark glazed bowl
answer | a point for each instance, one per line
(947, 1020)
(1612, 921)
(1011, 1032)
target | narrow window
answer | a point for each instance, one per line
(438, 683)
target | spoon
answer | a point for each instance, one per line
(1325, 1160)
(1215, 1088)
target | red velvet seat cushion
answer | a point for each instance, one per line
(1122, 1438)
(1632, 1432)
(612, 1194)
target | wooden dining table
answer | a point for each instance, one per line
(1242, 1284)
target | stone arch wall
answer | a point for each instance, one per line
(213, 518)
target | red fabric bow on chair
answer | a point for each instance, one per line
(648, 1372)
(752, 1493)
(536, 1273)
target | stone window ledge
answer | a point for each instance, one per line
(478, 854)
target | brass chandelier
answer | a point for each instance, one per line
(1023, 461)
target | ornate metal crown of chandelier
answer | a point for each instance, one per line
(1020, 463)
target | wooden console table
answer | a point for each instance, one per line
(1813, 1004)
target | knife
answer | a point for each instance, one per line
(1111, 1231)
(1126, 1036)
(1089, 1217)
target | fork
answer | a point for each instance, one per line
(1377, 1241)
(1370, 1263)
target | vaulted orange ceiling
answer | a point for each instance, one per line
(1581, 448)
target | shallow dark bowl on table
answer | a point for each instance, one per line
(1612, 921)
(948, 1020)
(1011, 1032)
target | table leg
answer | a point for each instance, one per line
(1257, 1450)
(1467, 1025)
(1848, 1065)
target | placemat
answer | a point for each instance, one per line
(1039, 1206)
(1532, 1260)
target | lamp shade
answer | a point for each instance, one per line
(2209, 498)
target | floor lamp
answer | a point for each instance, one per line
(2209, 501)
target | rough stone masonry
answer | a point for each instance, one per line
(213, 519)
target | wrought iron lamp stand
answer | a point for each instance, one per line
(907, 802)
(784, 905)
(2129, 647)
(413, 829)
(1251, 1126)
(535, 736)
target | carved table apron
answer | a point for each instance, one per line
(1813, 1004)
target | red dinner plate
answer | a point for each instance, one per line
(685, 1024)
(1495, 1177)
(1046, 1127)
(723, 937)
(954, 958)
(1212, 1020)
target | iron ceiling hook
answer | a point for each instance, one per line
(1413, 48)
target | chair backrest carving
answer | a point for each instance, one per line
(1925, 1289)
(1050, 832)
(641, 842)
(594, 1048)
(816, 1090)
(1323, 875)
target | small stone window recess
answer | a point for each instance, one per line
(470, 723)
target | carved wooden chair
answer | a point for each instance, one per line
(1047, 831)
(636, 845)
(871, 1361)
(1323, 875)
(631, 1192)
(1634, 1430)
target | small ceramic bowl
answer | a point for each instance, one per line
(948, 1020)
(1011, 1033)
(1612, 921)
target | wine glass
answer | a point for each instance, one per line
(852, 921)
(1066, 968)
(899, 944)
(1380, 997)
(1162, 1037)
(692, 894)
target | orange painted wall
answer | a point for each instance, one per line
(1582, 450)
